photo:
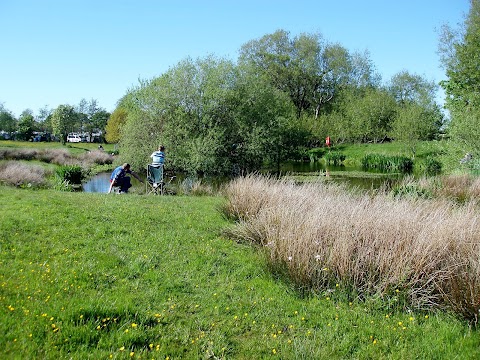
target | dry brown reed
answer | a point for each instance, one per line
(19, 174)
(425, 251)
(58, 156)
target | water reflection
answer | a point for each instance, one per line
(99, 183)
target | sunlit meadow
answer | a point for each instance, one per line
(99, 276)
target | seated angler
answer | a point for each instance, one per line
(158, 157)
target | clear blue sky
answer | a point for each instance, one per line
(55, 52)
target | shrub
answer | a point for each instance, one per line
(72, 174)
(432, 166)
(334, 158)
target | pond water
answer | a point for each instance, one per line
(99, 183)
(351, 176)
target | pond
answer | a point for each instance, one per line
(99, 183)
(350, 175)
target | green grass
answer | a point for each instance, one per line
(74, 148)
(355, 152)
(94, 276)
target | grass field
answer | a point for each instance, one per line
(97, 276)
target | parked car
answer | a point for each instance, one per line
(74, 138)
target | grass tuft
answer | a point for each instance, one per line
(374, 246)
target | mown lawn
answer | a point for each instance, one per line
(97, 276)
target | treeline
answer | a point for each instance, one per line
(86, 117)
(283, 96)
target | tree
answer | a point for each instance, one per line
(369, 115)
(307, 68)
(8, 123)
(414, 123)
(63, 121)
(459, 50)
(211, 115)
(97, 122)
(412, 88)
(114, 125)
(26, 124)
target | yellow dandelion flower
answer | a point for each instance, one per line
(132, 353)
(274, 351)
(122, 348)
(426, 316)
(134, 325)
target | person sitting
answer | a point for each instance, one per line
(119, 178)
(158, 157)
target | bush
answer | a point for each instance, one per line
(71, 174)
(334, 158)
(432, 166)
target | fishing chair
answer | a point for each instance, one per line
(155, 183)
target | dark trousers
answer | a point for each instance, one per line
(124, 184)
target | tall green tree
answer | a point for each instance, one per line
(8, 123)
(306, 67)
(412, 88)
(43, 119)
(459, 49)
(26, 125)
(414, 123)
(212, 117)
(63, 121)
(114, 125)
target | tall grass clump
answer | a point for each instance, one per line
(71, 174)
(423, 254)
(387, 163)
(334, 158)
(22, 175)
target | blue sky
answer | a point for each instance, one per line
(57, 52)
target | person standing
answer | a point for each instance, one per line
(119, 178)
(158, 157)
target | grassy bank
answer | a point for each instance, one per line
(96, 276)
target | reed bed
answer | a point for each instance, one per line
(57, 156)
(424, 252)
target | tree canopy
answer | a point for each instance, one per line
(459, 49)
(283, 96)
